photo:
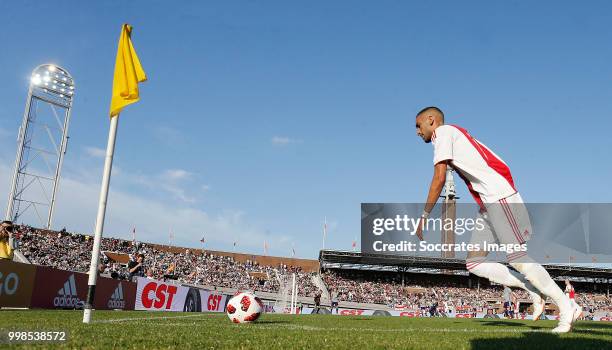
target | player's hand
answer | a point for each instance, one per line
(419, 231)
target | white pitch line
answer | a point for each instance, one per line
(402, 330)
(150, 318)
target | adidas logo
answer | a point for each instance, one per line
(116, 300)
(67, 296)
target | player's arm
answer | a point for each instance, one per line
(435, 189)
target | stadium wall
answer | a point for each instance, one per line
(42, 287)
(31, 286)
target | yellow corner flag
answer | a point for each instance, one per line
(128, 73)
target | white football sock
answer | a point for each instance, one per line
(540, 279)
(498, 273)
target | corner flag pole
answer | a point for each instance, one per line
(128, 73)
(93, 266)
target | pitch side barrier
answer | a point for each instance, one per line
(42, 287)
(31, 286)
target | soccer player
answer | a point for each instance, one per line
(507, 302)
(516, 304)
(490, 182)
(570, 293)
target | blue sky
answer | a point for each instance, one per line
(260, 118)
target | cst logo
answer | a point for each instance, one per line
(214, 301)
(351, 312)
(9, 285)
(157, 296)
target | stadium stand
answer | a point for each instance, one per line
(69, 251)
(417, 283)
(360, 280)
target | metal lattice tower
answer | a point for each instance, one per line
(449, 211)
(41, 145)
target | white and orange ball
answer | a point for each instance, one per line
(244, 308)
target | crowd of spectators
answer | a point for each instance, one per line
(421, 292)
(71, 251)
(68, 251)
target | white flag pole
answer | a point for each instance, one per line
(95, 253)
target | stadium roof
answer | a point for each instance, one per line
(384, 262)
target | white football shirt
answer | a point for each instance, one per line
(486, 175)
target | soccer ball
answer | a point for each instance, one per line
(244, 308)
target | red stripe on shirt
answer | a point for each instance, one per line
(491, 160)
(517, 256)
(471, 266)
(474, 194)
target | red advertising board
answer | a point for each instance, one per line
(16, 283)
(114, 294)
(409, 314)
(59, 289)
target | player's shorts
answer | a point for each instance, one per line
(505, 222)
(334, 304)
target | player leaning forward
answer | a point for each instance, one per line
(501, 207)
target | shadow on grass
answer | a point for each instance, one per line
(540, 341)
(592, 332)
(594, 324)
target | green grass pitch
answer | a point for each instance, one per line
(142, 330)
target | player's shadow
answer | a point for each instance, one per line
(540, 341)
(594, 324)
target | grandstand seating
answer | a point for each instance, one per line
(360, 288)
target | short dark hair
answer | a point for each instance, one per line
(427, 109)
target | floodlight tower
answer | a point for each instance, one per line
(41, 145)
(449, 212)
